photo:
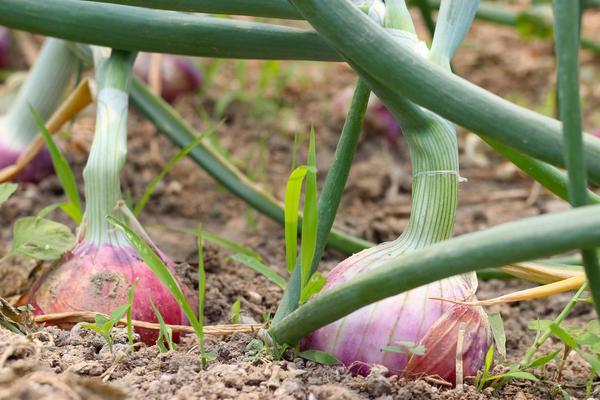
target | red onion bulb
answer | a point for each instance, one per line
(358, 339)
(178, 74)
(97, 278)
(5, 47)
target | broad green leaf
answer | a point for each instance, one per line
(592, 360)
(63, 171)
(41, 239)
(565, 337)
(261, 268)
(293, 190)
(118, 313)
(310, 215)
(314, 286)
(497, 327)
(516, 375)
(319, 357)
(235, 312)
(543, 360)
(184, 152)
(6, 190)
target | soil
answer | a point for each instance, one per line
(258, 134)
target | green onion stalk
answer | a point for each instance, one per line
(419, 316)
(97, 273)
(42, 91)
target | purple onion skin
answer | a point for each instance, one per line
(384, 120)
(39, 168)
(441, 344)
(5, 48)
(179, 75)
(357, 340)
(97, 279)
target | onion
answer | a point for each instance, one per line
(5, 48)
(178, 74)
(97, 278)
(97, 274)
(39, 168)
(358, 339)
(42, 90)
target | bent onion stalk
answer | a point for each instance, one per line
(42, 90)
(358, 340)
(97, 273)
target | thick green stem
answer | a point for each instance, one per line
(136, 28)
(514, 242)
(567, 15)
(43, 89)
(331, 194)
(109, 149)
(401, 72)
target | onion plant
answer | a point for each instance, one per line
(96, 274)
(378, 305)
(42, 92)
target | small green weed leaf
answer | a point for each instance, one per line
(310, 215)
(565, 337)
(497, 327)
(235, 311)
(319, 357)
(6, 190)
(165, 333)
(314, 286)
(543, 360)
(516, 375)
(95, 328)
(118, 313)
(41, 239)
(210, 356)
(261, 268)
(405, 347)
(539, 325)
(63, 171)
(293, 190)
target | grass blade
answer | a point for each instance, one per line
(310, 221)
(201, 294)
(63, 171)
(261, 268)
(293, 191)
(182, 153)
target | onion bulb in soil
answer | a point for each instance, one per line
(178, 74)
(98, 273)
(98, 278)
(414, 317)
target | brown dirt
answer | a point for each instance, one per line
(55, 364)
